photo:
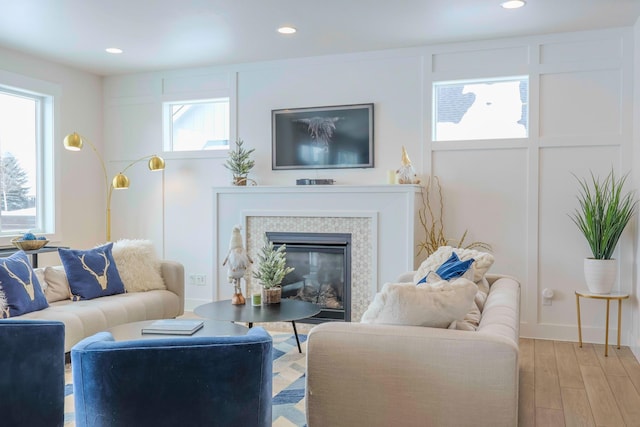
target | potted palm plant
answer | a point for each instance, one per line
(240, 163)
(602, 216)
(272, 267)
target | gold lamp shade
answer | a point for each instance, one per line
(73, 142)
(156, 163)
(120, 182)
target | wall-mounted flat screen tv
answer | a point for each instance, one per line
(322, 137)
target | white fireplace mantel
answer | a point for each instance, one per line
(390, 210)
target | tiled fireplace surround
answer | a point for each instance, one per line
(382, 221)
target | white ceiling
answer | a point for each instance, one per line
(164, 34)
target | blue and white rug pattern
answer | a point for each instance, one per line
(289, 368)
(288, 383)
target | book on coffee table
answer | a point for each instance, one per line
(173, 327)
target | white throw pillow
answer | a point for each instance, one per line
(435, 305)
(138, 265)
(57, 284)
(40, 275)
(483, 293)
(3, 303)
(471, 320)
(483, 261)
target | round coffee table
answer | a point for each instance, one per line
(287, 311)
(211, 328)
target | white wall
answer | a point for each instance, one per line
(634, 341)
(512, 194)
(517, 195)
(80, 190)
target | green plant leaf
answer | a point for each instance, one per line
(603, 213)
(239, 161)
(272, 264)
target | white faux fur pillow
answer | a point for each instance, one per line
(483, 261)
(435, 305)
(471, 320)
(483, 293)
(138, 265)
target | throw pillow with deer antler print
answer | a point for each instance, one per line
(91, 273)
(20, 286)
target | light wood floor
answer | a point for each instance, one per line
(562, 384)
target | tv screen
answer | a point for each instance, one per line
(322, 137)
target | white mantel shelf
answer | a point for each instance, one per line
(404, 188)
(391, 211)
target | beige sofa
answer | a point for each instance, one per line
(382, 375)
(87, 317)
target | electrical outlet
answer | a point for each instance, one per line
(198, 279)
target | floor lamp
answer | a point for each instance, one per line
(75, 142)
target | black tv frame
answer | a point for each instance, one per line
(308, 138)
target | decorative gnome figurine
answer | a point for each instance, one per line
(239, 261)
(406, 173)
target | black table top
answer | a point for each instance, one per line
(288, 310)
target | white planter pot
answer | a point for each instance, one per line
(600, 274)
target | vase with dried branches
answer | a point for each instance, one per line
(431, 219)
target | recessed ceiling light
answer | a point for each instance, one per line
(113, 50)
(286, 30)
(512, 4)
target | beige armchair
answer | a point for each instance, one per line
(382, 375)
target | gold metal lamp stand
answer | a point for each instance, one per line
(75, 142)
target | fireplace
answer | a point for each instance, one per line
(322, 272)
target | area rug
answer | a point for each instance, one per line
(288, 383)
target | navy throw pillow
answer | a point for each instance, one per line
(91, 273)
(21, 288)
(452, 268)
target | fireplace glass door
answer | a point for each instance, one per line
(322, 272)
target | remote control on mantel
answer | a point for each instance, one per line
(306, 181)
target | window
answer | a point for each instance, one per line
(197, 125)
(481, 109)
(26, 137)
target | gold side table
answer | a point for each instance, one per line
(608, 297)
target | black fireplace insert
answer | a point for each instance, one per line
(322, 272)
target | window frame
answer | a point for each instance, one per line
(514, 140)
(167, 129)
(48, 219)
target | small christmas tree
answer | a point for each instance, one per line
(240, 163)
(272, 265)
